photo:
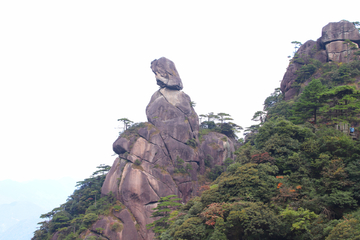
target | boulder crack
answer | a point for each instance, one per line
(168, 152)
(153, 202)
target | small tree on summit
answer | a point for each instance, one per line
(224, 117)
(297, 45)
(127, 122)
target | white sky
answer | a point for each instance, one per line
(70, 69)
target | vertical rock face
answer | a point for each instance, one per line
(162, 156)
(340, 31)
(308, 50)
(333, 45)
(339, 51)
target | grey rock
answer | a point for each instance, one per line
(340, 51)
(112, 180)
(308, 50)
(105, 222)
(170, 111)
(216, 148)
(171, 133)
(129, 231)
(342, 30)
(166, 74)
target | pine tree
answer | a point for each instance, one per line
(309, 102)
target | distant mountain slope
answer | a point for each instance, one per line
(18, 220)
(22, 203)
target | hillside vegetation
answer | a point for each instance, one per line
(296, 176)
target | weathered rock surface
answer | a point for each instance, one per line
(129, 230)
(216, 148)
(119, 225)
(308, 50)
(112, 181)
(163, 156)
(331, 46)
(166, 74)
(340, 51)
(342, 30)
(170, 112)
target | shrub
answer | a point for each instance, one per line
(90, 218)
(116, 227)
(191, 142)
(117, 208)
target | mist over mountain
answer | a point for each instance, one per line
(22, 203)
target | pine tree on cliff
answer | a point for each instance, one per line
(309, 102)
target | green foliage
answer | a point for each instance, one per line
(342, 104)
(295, 177)
(192, 143)
(251, 182)
(179, 165)
(309, 102)
(208, 160)
(248, 220)
(215, 172)
(188, 167)
(127, 123)
(116, 227)
(300, 219)
(227, 128)
(347, 228)
(117, 208)
(287, 183)
(90, 219)
(273, 99)
(132, 130)
(305, 72)
(191, 229)
(99, 230)
(165, 206)
(80, 210)
(137, 162)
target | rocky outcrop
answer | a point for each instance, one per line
(163, 156)
(338, 42)
(309, 50)
(340, 51)
(166, 74)
(340, 31)
(118, 225)
(215, 148)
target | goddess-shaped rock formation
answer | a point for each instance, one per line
(162, 156)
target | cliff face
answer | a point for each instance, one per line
(162, 156)
(338, 42)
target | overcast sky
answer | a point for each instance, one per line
(70, 69)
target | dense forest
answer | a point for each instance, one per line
(296, 174)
